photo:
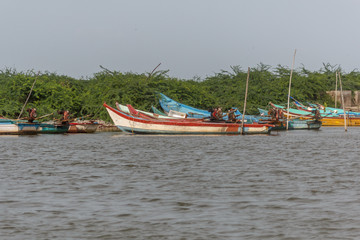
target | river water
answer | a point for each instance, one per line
(288, 185)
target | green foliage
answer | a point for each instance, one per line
(54, 92)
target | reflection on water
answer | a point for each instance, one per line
(289, 185)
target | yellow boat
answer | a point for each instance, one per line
(339, 121)
(331, 121)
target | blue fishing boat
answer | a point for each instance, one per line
(169, 104)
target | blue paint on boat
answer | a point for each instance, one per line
(169, 104)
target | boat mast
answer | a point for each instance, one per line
(343, 103)
(288, 104)
(336, 88)
(246, 92)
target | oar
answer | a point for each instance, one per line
(45, 116)
(72, 119)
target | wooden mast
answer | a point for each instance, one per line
(336, 88)
(246, 92)
(288, 104)
(343, 103)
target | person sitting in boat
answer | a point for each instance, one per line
(219, 114)
(281, 113)
(32, 114)
(65, 116)
(231, 115)
(317, 114)
(271, 112)
(214, 115)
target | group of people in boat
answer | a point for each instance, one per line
(216, 115)
(278, 113)
(65, 115)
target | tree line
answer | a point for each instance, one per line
(84, 97)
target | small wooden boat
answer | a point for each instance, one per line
(294, 124)
(132, 124)
(82, 127)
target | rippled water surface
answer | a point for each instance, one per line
(289, 185)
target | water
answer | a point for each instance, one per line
(290, 185)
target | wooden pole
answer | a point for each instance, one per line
(288, 104)
(343, 103)
(153, 71)
(336, 89)
(27, 99)
(246, 92)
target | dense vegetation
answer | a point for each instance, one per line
(53, 92)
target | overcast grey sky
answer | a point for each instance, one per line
(188, 37)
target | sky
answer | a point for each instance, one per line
(190, 38)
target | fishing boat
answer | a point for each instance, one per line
(330, 119)
(296, 113)
(133, 124)
(82, 127)
(293, 124)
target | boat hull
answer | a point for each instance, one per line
(305, 124)
(298, 125)
(339, 121)
(8, 126)
(28, 128)
(82, 127)
(47, 128)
